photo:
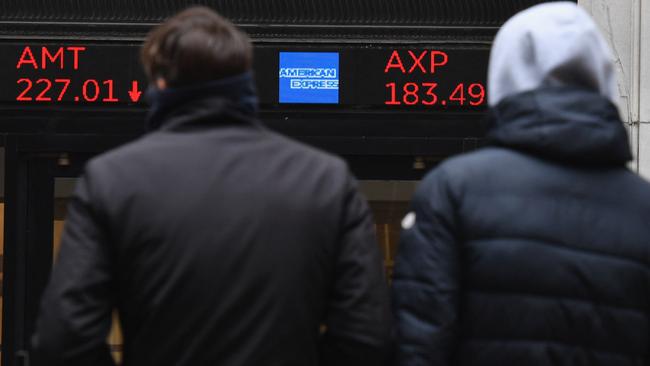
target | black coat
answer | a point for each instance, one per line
(220, 243)
(533, 251)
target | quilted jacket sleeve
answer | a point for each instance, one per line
(426, 282)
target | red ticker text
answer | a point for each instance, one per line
(54, 74)
(403, 65)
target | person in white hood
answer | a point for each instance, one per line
(553, 44)
(533, 250)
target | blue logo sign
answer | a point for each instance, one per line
(309, 77)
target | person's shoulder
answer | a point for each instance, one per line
(121, 161)
(482, 170)
(308, 153)
(483, 159)
(637, 188)
(471, 165)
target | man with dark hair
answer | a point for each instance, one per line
(218, 241)
(194, 46)
(535, 250)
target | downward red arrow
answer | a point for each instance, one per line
(135, 93)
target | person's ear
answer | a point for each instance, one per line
(161, 84)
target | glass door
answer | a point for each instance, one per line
(389, 201)
(32, 225)
(63, 189)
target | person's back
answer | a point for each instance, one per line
(534, 250)
(219, 242)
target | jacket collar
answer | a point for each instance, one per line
(566, 124)
(229, 97)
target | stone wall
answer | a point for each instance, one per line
(626, 24)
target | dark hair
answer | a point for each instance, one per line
(196, 45)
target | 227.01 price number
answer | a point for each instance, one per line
(425, 94)
(57, 90)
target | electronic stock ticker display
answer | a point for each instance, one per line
(352, 77)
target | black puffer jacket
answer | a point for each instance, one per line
(534, 251)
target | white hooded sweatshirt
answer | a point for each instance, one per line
(552, 44)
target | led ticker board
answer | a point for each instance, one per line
(394, 78)
(424, 64)
(356, 77)
(375, 77)
(72, 74)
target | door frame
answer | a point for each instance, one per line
(32, 163)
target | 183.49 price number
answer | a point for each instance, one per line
(425, 94)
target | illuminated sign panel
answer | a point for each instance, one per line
(421, 87)
(309, 77)
(78, 74)
(323, 77)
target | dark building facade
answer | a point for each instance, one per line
(394, 87)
